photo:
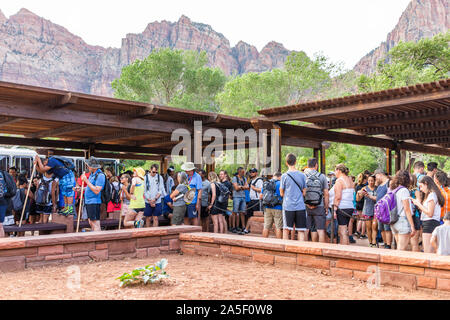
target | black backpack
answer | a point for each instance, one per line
(43, 193)
(270, 197)
(314, 189)
(222, 193)
(7, 185)
(115, 195)
(107, 189)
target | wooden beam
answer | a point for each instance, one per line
(60, 101)
(21, 110)
(108, 155)
(298, 142)
(58, 131)
(388, 161)
(421, 135)
(121, 134)
(323, 162)
(333, 109)
(62, 144)
(4, 121)
(389, 119)
(407, 128)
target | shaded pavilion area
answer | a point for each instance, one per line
(414, 118)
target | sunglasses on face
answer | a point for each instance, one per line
(154, 172)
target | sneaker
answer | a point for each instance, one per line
(351, 240)
(357, 234)
(245, 231)
(70, 211)
(363, 236)
(386, 246)
(239, 230)
(234, 230)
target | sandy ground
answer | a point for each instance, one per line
(193, 277)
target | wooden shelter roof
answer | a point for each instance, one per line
(416, 115)
(77, 121)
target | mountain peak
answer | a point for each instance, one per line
(2, 17)
(25, 12)
(184, 20)
(421, 19)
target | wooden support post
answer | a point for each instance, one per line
(164, 165)
(398, 160)
(91, 151)
(388, 161)
(276, 149)
(316, 153)
(322, 160)
(267, 153)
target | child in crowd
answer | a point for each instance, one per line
(440, 238)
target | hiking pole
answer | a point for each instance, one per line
(80, 205)
(121, 211)
(26, 197)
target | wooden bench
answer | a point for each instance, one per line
(43, 228)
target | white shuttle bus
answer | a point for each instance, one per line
(22, 159)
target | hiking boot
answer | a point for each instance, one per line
(351, 240)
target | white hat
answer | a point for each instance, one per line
(188, 166)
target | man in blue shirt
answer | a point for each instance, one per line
(292, 189)
(66, 180)
(195, 182)
(93, 194)
(274, 215)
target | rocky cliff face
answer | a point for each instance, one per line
(421, 19)
(38, 52)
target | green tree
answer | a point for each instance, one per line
(410, 63)
(171, 77)
(244, 95)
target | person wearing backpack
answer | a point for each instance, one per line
(226, 190)
(240, 184)
(7, 190)
(214, 206)
(255, 188)
(404, 228)
(93, 195)
(179, 205)
(273, 210)
(62, 169)
(382, 183)
(46, 201)
(369, 195)
(292, 189)
(316, 200)
(154, 191)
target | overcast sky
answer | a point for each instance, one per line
(343, 30)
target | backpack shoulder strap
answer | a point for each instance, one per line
(294, 181)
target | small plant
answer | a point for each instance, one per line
(145, 274)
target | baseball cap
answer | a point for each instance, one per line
(253, 170)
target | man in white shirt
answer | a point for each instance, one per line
(255, 185)
(154, 191)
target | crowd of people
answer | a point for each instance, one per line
(303, 204)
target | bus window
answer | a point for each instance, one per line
(4, 162)
(23, 163)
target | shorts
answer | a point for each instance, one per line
(273, 216)
(3, 212)
(253, 206)
(113, 207)
(219, 208)
(155, 211)
(384, 226)
(137, 210)
(44, 209)
(402, 226)
(178, 215)
(343, 219)
(297, 217)
(239, 205)
(315, 217)
(66, 185)
(93, 211)
(428, 226)
(191, 211)
(204, 212)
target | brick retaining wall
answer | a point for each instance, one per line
(28, 252)
(410, 270)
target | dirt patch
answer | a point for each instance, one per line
(195, 277)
